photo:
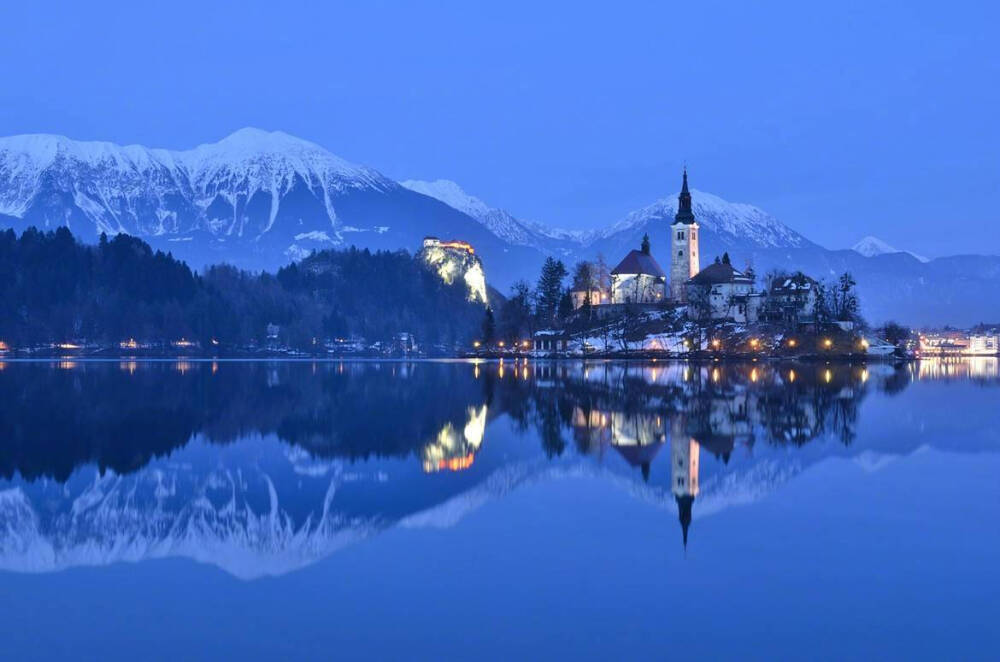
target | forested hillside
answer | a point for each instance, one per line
(56, 289)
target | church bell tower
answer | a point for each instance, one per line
(684, 453)
(684, 262)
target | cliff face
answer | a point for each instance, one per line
(454, 260)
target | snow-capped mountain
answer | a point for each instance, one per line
(871, 246)
(261, 199)
(255, 198)
(728, 222)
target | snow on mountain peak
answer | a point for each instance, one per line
(872, 246)
(452, 195)
(115, 186)
(732, 219)
(498, 221)
(253, 150)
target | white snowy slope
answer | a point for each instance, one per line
(238, 518)
(714, 215)
(498, 221)
(872, 246)
(49, 180)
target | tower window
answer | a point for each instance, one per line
(680, 253)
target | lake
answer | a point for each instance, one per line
(434, 510)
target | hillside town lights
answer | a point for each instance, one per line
(754, 342)
(828, 343)
(791, 342)
(716, 343)
(476, 344)
(500, 343)
(525, 343)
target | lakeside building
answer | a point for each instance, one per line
(722, 292)
(638, 279)
(792, 299)
(588, 297)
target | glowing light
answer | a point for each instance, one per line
(753, 375)
(67, 345)
(128, 366)
(501, 343)
(4, 346)
(67, 365)
(182, 367)
(828, 376)
(716, 343)
(476, 344)
(215, 367)
(183, 342)
(525, 343)
(216, 342)
(792, 342)
(864, 375)
(828, 343)
(864, 343)
(791, 375)
(129, 344)
(715, 374)
(754, 342)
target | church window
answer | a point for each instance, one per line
(680, 253)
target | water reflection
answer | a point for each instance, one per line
(261, 468)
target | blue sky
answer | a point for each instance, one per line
(844, 120)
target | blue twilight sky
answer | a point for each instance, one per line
(850, 119)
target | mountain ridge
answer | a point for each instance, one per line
(260, 199)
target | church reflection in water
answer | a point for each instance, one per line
(342, 450)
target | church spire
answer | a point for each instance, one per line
(684, 213)
(684, 504)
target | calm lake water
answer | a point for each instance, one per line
(412, 510)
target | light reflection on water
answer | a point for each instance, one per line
(269, 468)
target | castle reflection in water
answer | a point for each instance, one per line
(355, 447)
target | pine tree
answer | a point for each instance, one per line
(489, 327)
(550, 289)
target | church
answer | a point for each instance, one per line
(720, 292)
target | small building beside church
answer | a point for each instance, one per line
(591, 297)
(723, 293)
(638, 279)
(792, 299)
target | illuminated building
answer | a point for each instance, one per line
(684, 258)
(451, 451)
(684, 455)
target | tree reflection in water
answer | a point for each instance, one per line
(657, 422)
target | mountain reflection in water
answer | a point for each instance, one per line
(264, 467)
